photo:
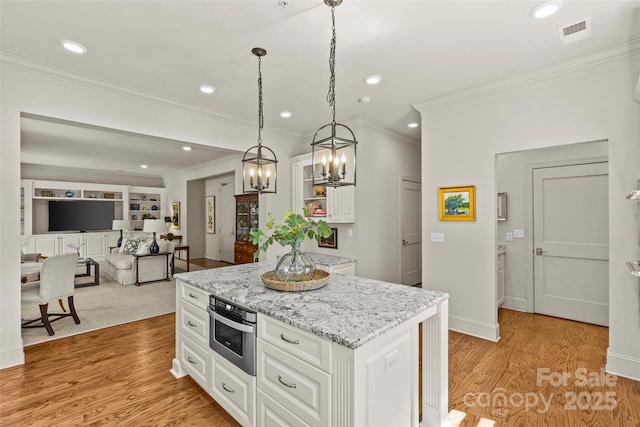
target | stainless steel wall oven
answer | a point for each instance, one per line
(232, 333)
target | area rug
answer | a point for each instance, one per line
(108, 304)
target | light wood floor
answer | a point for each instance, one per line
(120, 376)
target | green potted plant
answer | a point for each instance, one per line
(296, 265)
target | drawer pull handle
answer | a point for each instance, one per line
(193, 362)
(285, 339)
(285, 384)
(190, 323)
(229, 390)
(193, 296)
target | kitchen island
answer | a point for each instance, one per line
(342, 355)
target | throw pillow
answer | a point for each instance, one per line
(130, 246)
(143, 249)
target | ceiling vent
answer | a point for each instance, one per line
(575, 32)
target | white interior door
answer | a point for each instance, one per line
(571, 242)
(410, 233)
(227, 222)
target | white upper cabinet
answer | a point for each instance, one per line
(333, 205)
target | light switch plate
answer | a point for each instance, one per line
(437, 237)
(518, 234)
(509, 237)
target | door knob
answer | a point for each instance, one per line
(539, 251)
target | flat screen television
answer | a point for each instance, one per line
(80, 215)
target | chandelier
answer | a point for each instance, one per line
(259, 163)
(333, 155)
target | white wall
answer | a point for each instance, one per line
(514, 177)
(459, 144)
(213, 242)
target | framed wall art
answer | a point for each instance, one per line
(210, 214)
(457, 203)
(175, 214)
(331, 241)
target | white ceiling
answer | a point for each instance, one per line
(422, 49)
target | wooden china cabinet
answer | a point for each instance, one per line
(246, 221)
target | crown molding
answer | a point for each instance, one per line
(65, 75)
(388, 133)
(557, 71)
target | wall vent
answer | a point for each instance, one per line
(575, 32)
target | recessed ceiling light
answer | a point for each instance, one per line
(186, 148)
(206, 89)
(364, 100)
(545, 9)
(412, 125)
(143, 166)
(73, 47)
(373, 80)
(285, 114)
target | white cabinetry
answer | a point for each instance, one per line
(348, 268)
(92, 245)
(333, 205)
(231, 387)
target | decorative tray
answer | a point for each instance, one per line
(320, 279)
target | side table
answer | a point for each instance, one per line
(137, 258)
(183, 248)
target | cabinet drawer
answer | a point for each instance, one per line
(194, 323)
(271, 413)
(234, 390)
(294, 384)
(195, 296)
(308, 347)
(194, 360)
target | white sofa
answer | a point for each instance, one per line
(121, 264)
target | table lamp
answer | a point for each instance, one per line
(153, 226)
(119, 224)
(167, 221)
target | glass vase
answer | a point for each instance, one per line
(296, 266)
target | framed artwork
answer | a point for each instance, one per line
(175, 214)
(502, 206)
(457, 203)
(210, 214)
(331, 241)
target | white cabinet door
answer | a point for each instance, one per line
(69, 243)
(94, 245)
(46, 245)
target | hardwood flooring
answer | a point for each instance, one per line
(120, 376)
(544, 371)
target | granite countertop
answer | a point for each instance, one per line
(350, 311)
(328, 260)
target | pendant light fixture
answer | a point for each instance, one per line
(333, 156)
(259, 164)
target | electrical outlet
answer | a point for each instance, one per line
(437, 237)
(518, 234)
(509, 237)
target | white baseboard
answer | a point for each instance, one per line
(623, 366)
(474, 328)
(513, 303)
(11, 357)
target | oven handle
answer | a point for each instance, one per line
(231, 323)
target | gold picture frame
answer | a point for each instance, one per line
(175, 214)
(457, 203)
(210, 214)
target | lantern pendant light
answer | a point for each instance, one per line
(259, 164)
(334, 144)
